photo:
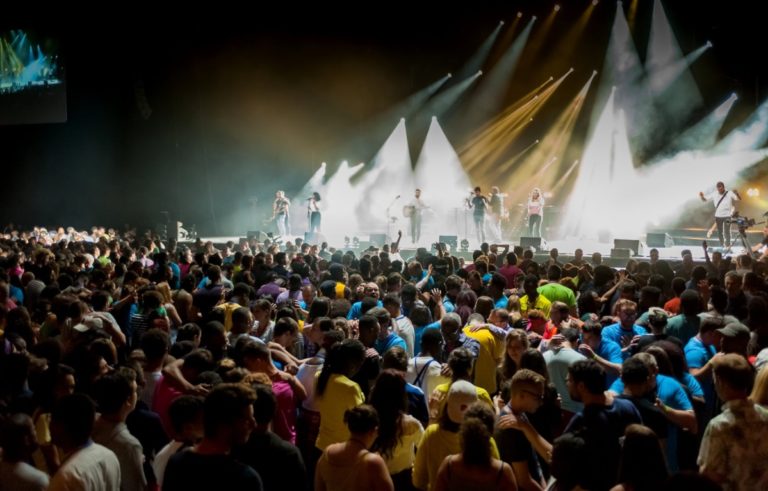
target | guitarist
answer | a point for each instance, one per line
(497, 211)
(281, 213)
(723, 200)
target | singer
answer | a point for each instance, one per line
(313, 213)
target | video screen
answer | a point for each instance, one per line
(32, 79)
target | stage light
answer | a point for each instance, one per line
(479, 72)
(735, 96)
(534, 17)
(709, 44)
(595, 2)
(322, 164)
(501, 22)
(434, 118)
(753, 192)
(594, 72)
(519, 15)
(450, 75)
(402, 120)
(557, 8)
(537, 141)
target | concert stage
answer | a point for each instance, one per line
(614, 254)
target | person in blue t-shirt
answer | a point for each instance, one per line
(606, 353)
(700, 353)
(387, 338)
(625, 331)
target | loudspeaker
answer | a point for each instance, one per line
(451, 240)
(378, 239)
(633, 245)
(621, 253)
(659, 239)
(256, 234)
(526, 242)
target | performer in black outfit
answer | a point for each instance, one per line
(313, 213)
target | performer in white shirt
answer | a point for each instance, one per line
(723, 200)
(414, 210)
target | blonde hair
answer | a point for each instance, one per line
(759, 393)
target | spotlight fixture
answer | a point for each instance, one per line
(501, 22)
(594, 72)
(322, 164)
(450, 75)
(709, 44)
(534, 17)
(519, 15)
(557, 8)
(753, 192)
(595, 2)
(537, 141)
(479, 72)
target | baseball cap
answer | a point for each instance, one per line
(734, 329)
(461, 395)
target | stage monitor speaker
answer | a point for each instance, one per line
(256, 234)
(632, 245)
(659, 239)
(451, 240)
(378, 239)
(621, 253)
(526, 242)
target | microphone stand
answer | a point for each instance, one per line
(389, 221)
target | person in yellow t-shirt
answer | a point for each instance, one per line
(491, 351)
(532, 298)
(335, 392)
(460, 363)
(442, 439)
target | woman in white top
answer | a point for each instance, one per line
(535, 212)
(399, 432)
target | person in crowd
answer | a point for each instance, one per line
(186, 415)
(475, 467)
(398, 432)
(18, 441)
(87, 465)
(642, 466)
(278, 462)
(425, 370)
(734, 447)
(350, 465)
(228, 420)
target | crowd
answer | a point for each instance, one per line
(131, 363)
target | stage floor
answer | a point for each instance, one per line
(565, 247)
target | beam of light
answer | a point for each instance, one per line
(539, 36)
(441, 103)
(750, 135)
(703, 134)
(389, 175)
(339, 194)
(632, 14)
(669, 77)
(442, 179)
(315, 184)
(494, 140)
(501, 169)
(553, 146)
(563, 179)
(492, 90)
(478, 59)
(640, 198)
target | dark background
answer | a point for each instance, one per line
(198, 110)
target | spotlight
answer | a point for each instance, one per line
(557, 8)
(322, 164)
(434, 118)
(402, 120)
(450, 75)
(735, 96)
(501, 22)
(537, 141)
(753, 192)
(570, 70)
(709, 44)
(479, 72)
(519, 15)
(534, 17)
(594, 72)
(595, 2)
(551, 78)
